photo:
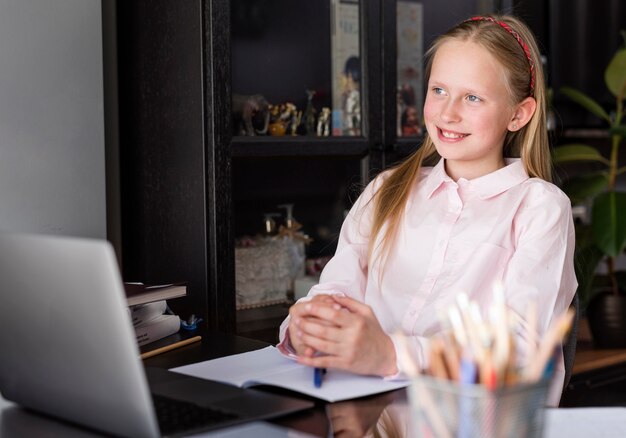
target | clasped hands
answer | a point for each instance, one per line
(334, 331)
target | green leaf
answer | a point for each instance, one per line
(582, 187)
(608, 219)
(586, 102)
(577, 152)
(618, 130)
(615, 74)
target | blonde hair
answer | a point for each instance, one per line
(530, 143)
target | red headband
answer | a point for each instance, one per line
(520, 41)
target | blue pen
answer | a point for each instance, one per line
(548, 371)
(318, 374)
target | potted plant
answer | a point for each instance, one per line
(603, 239)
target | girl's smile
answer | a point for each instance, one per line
(450, 136)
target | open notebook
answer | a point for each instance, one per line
(69, 349)
(268, 367)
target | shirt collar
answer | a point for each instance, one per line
(485, 186)
(436, 178)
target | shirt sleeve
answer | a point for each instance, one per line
(346, 272)
(541, 270)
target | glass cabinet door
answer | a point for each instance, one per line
(297, 68)
(409, 71)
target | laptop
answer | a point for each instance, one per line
(68, 349)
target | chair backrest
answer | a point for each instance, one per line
(569, 346)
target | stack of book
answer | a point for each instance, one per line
(149, 312)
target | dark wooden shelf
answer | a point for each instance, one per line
(294, 146)
(590, 359)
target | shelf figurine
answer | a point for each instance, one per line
(309, 114)
(251, 114)
(323, 123)
(351, 99)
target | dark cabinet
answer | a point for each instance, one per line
(174, 152)
(191, 183)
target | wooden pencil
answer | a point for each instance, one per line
(171, 347)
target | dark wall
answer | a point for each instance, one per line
(584, 36)
(578, 37)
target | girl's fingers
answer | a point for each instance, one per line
(352, 305)
(321, 346)
(312, 329)
(331, 313)
(322, 298)
(298, 310)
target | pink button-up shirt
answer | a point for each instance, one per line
(454, 237)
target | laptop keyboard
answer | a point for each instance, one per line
(178, 416)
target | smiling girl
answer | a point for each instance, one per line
(484, 212)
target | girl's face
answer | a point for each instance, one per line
(467, 110)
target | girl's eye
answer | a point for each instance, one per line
(473, 98)
(438, 90)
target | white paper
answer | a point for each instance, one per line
(585, 422)
(268, 367)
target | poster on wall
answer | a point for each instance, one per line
(346, 68)
(410, 33)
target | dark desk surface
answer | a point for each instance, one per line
(349, 418)
(356, 416)
(388, 413)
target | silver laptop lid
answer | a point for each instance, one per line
(66, 341)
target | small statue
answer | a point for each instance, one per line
(277, 128)
(351, 99)
(309, 114)
(410, 122)
(287, 112)
(246, 111)
(323, 123)
(282, 117)
(295, 122)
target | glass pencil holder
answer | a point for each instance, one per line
(446, 409)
